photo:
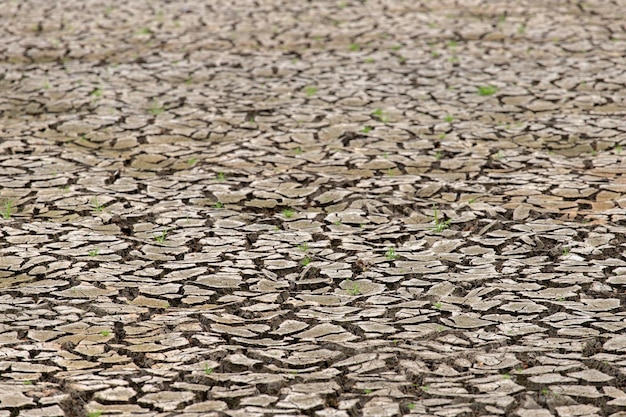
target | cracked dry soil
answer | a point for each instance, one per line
(324, 208)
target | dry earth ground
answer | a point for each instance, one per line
(323, 208)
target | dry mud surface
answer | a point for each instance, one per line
(325, 208)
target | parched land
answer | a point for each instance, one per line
(325, 208)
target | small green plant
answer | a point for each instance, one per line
(487, 90)
(288, 213)
(410, 406)
(298, 151)
(354, 47)
(94, 252)
(366, 129)
(386, 155)
(304, 247)
(353, 288)
(440, 224)
(218, 205)
(96, 205)
(143, 31)
(566, 250)
(7, 209)
(438, 155)
(390, 172)
(448, 119)
(367, 391)
(105, 333)
(337, 222)
(310, 91)
(162, 237)
(396, 47)
(437, 305)
(618, 148)
(471, 201)
(305, 261)
(192, 161)
(545, 392)
(506, 376)
(425, 387)
(452, 44)
(369, 60)
(208, 370)
(28, 382)
(221, 177)
(97, 413)
(560, 298)
(391, 254)
(380, 115)
(521, 29)
(156, 108)
(441, 136)
(97, 92)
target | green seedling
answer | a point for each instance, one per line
(425, 387)
(310, 91)
(440, 328)
(391, 254)
(156, 108)
(96, 205)
(94, 413)
(521, 29)
(618, 149)
(437, 305)
(386, 155)
(369, 60)
(305, 261)
(390, 172)
(487, 90)
(378, 113)
(353, 288)
(452, 44)
(438, 155)
(218, 205)
(440, 224)
(304, 247)
(337, 222)
(396, 47)
(97, 92)
(162, 237)
(402, 59)
(410, 406)
(448, 119)
(192, 161)
(367, 391)
(545, 392)
(221, 177)
(354, 47)
(506, 376)
(560, 298)
(566, 250)
(143, 31)
(28, 382)
(105, 333)
(298, 151)
(7, 209)
(366, 129)
(94, 252)
(288, 213)
(208, 370)
(441, 136)
(471, 201)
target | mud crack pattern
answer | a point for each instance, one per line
(328, 208)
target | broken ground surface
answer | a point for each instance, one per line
(320, 208)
